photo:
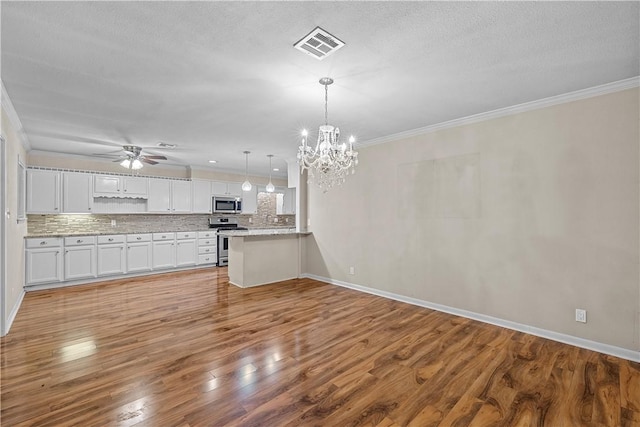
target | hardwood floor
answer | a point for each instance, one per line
(188, 349)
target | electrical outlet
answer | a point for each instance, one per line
(113, 222)
(308, 222)
(352, 270)
(250, 220)
(581, 315)
(275, 219)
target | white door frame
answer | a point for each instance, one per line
(3, 237)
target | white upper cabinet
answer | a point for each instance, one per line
(77, 192)
(120, 186)
(219, 188)
(135, 186)
(180, 196)
(250, 200)
(289, 201)
(169, 196)
(43, 191)
(201, 196)
(159, 195)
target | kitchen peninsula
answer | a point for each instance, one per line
(261, 256)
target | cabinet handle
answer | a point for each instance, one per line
(139, 238)
(111, 240)
(88, 209)
(66, 252)
(43, 242)
(79, 241)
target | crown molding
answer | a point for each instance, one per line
(591, 92)
(14, 119)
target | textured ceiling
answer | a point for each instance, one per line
(218, 78)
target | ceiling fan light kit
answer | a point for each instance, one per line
(134, 160)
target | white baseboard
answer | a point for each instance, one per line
(13, 313)
(555, 336)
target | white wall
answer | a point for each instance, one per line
(523, 218)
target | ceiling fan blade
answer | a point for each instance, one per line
(151, 162)
(155, 157)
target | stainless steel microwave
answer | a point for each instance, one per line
(227, 204)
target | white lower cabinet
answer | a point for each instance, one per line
(139, 253)
(79, 257)
(112, 257)
(186, 249)
(164, 250)
(44, 260)
(207, 247)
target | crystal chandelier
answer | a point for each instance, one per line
(330, 161)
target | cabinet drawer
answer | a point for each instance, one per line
(186, 235)
(44, 242)
(207, 259)
(139, 237)
(113, 238)
(207, 250)
(207, 242)
(81, 240)
(164, 236)
(207, 234)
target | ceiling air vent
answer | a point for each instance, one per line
(166, 145)
(319, 44)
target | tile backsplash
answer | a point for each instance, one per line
(61, 224)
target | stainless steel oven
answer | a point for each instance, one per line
(223, 241)
(223, 251)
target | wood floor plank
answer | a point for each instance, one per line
(187, 349)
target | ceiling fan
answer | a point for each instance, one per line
(134, 159)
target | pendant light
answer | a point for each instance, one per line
(270, 187)
(246, 185)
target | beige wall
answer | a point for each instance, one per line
(15, 231)
(524, 218)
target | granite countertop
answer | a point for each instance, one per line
(250, 232)
(262, 232)
(109, 233)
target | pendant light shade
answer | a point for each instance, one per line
(246, 185)
(270, 187)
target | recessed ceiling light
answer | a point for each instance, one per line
(213, 161)
(276, 169)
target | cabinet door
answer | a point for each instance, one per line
(77, 192)
(43, 191)
(234, 189)
(164, 254)
(138, 257)
(44, 265)
(106, 184)
(186, 252)
(79, 262)
(135, 186)
(180, 196)
(159, 195)
(219, 188)
(111, 260)
(250, 200)
(290, 201)
(201, 199)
